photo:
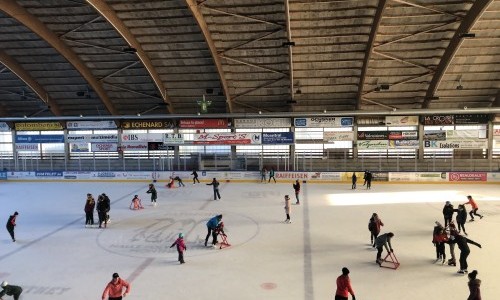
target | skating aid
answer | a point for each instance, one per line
(390, 261)
(224, 242)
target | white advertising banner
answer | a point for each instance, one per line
(334, 136)
(323, 122)
(173, 138)
(457, 144)
(262, 123)
(463, 134)
(26, 147)
(401, 120)
(373, 144)
(418, 177)
(142, 137)
(79, 147)
(4, 126)
(104, 147)
(134, 146)
(227, 138)
(92, 138)
(80, 125)
(403, 144)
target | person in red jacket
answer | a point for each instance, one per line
(473, 211)
(374, 227)
(114, 289)
(344, 286)
(181, 247)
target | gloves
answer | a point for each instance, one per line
(480, 246)
(392, 250)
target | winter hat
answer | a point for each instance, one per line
(181, 235)
(4, 283)
(115, 275)
(345, 271)
(448, 202)
(16, 213)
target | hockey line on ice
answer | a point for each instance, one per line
(140, 269)
(308, 274)
(61, 228)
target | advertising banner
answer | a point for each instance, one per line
(292, 175)
(404, 144)
(42, 126)
(92, 138)
(87, 125)
(104, 147)
(227, 138)
(26, 147)
(468, 176)
(380, 176)
(263, 123)
(275, 138)
(464, 134)
(472, 119)
(49, 174)
(438, 120)
(335, 136)
(47, 138)
(457, 144)
(203, 123)
(173, 138)
(3, 175)
(323, 122)
(79, 147)
(134, 146)
(4, 126)
(417, 177)
(142, 137)
(403, 135)
(373, 135)
(434, 135)
(401, 120)
(77, 175)
(493, 177)
(158, 146)
(382, 144)
(147, 124)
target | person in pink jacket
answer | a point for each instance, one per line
(181, 247)
(114, 289)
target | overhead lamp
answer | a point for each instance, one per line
(460, 86)
(80, 94)
(209, 91)
(384, 86)
(288, 44)
(291, 102)
(432, 98)
(260, 112)
(467, 35)
(129, 50)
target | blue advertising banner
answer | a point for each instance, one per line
(3, 175)
(49, 174)
(35, 139)
(272, 138)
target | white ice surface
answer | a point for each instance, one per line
(56, 257)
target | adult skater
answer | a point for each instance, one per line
(461, 217)
(474, 286)
(10, 290)
(89, 211)
(211, 227)
(382, 241)
(462, 243)
(288, 208)
(374, 225)
(453, 232)
(344, 286)
(195, 176)
(179, 181)
(102, 211)
(11, 223)
(296, 187)
(354, 179)
(474, 209)
(369, 177)
(154, 194)
(107, 203)
(215, 185)
(181, 247)
(448, 213)
(365, 175)
(263, 175)
(114, 289)
(271, 175)
(439, 237)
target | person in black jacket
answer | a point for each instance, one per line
(461, 217)
(215, 184)
(10, 290)
(354, 179)
(102, 211)
(448, 213)
(369, 177)
(11, 223)
(195, 176)
(296, 187)
(462, 243)
(154, 194)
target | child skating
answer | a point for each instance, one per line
(288, 208)
(136, 203)
(181, 247)
(154, 194)
(474, 209)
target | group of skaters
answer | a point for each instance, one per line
(367, 180)
(266, 176)
(103, 206)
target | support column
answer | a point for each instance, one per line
(355, 142)
(420, 141)
(490, 140)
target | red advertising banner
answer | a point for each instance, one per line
(203, 123)
(468, 176)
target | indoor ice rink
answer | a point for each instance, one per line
(56, 257)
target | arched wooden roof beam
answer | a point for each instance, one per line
(17, 12)
(110, 15)
(468, 22)
(193, 6)
(20, 72)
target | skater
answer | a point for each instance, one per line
(102, 211)
(474, 286)
(215, 184)
(383, 241)
(448, 213)
(365, 175)
(10, 290)
(107, 203)
(211, 227)
(181, 247)
(195, 176)
(89, 211)
(170, 183)
(462, 243)
(11, 223)
(154, 194)
(263, 174)
(271, 175)
(374, 226)
(179, 181)
(114, 289)
(439, 237)
(453, 232)
(296, 187)
(369, 177)
(473, 211)
(136, 203)
(344, 286)
(288, 208)
(354, 179)
(461, 217)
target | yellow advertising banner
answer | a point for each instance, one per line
(32, 126)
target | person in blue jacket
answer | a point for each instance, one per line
(211, 227)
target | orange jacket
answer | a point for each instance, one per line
(472, 203)
(344, 286)
(115, 289)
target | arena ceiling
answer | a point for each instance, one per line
(149, 57)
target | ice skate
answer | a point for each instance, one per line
(480, 217)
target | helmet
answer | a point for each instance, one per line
(181, 235)
(4, 283)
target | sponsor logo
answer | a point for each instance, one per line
(49, 174)
(106, 174)
(300, 122)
